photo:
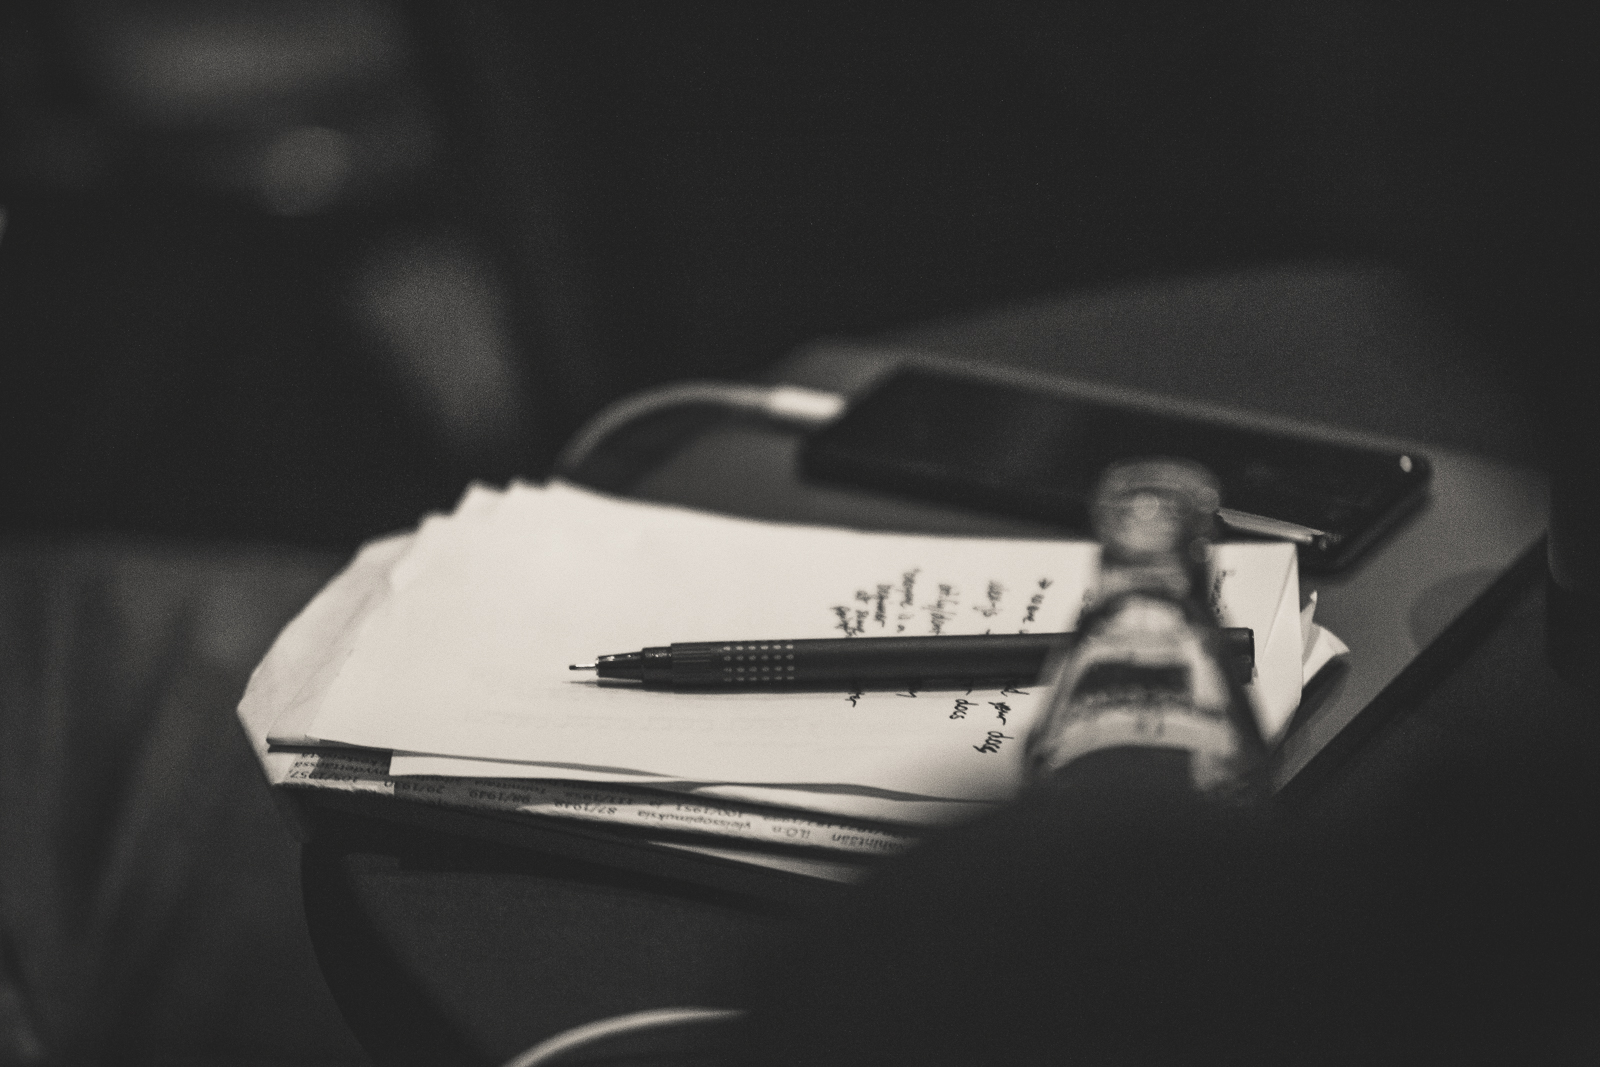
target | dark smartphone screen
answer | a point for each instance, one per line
(999, 447)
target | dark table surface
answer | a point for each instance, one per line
(436, 945)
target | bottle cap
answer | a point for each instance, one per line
(1148, 508)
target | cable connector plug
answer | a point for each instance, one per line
(788, 405)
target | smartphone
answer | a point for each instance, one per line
(980, 443)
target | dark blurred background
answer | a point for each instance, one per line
(295, 271)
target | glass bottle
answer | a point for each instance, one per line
(1149, 670)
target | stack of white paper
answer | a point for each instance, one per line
(450, 649)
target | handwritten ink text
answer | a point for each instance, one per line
(992, 742)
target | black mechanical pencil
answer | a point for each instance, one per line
(861, 660)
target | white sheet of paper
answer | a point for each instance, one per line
(468, 657)
(287, 687)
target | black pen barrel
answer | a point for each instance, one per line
(860, 659)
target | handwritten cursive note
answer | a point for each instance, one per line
(866, 613)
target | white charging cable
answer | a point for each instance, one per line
(550, 1050)
(789, 405)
